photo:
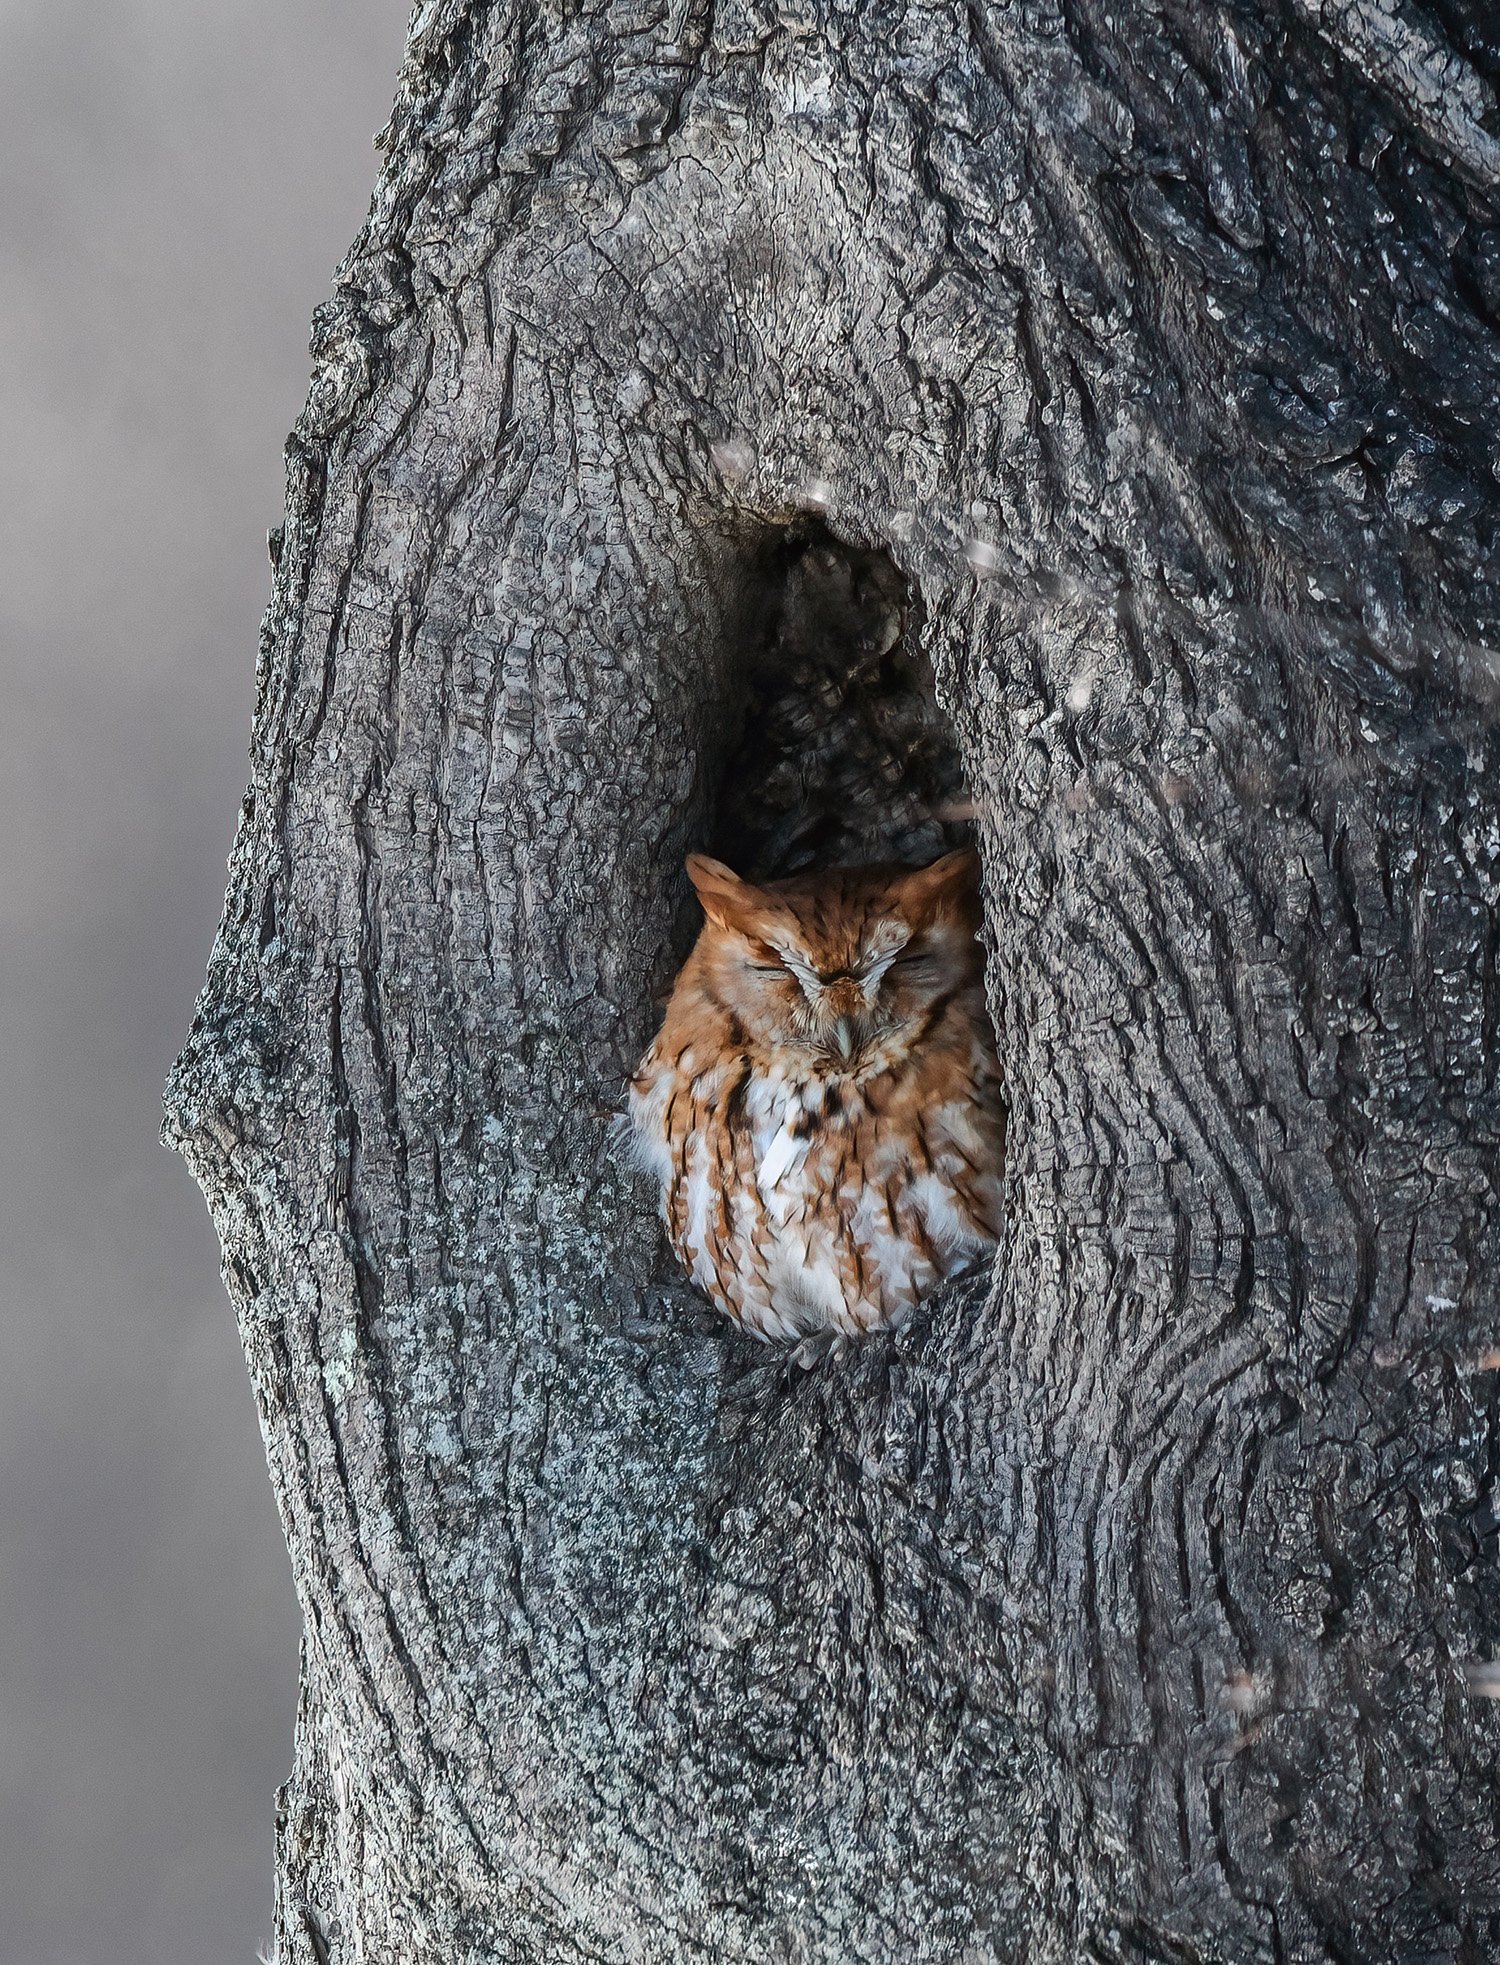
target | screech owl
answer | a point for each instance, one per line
(822, 1106)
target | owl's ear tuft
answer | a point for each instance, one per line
(951, 882)
(728, 901)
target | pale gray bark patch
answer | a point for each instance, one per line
(1122, 1608)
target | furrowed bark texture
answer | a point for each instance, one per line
(1122, 1608)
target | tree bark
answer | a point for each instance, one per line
(1133, 1604)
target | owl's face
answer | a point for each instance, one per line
(844, 966)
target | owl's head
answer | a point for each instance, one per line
(840, 965)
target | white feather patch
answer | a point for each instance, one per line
(785, 1151)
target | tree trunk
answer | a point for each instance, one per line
(1126, 376)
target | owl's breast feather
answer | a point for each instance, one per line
(785, 1152)
(779, 1130)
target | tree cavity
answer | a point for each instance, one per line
(837, 753)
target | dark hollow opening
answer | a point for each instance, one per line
(833, 749)
(840, 755)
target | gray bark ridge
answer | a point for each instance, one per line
(1135, 1605)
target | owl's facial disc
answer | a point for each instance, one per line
(845, 970)
(842, 1001)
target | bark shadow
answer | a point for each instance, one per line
(837, 753)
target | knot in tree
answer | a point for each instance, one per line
(821, 434)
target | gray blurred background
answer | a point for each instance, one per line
(178, 179)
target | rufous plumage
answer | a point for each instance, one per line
(822, 1106)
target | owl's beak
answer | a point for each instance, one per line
(843, 1036)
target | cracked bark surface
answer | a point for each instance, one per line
(1121, 1608)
